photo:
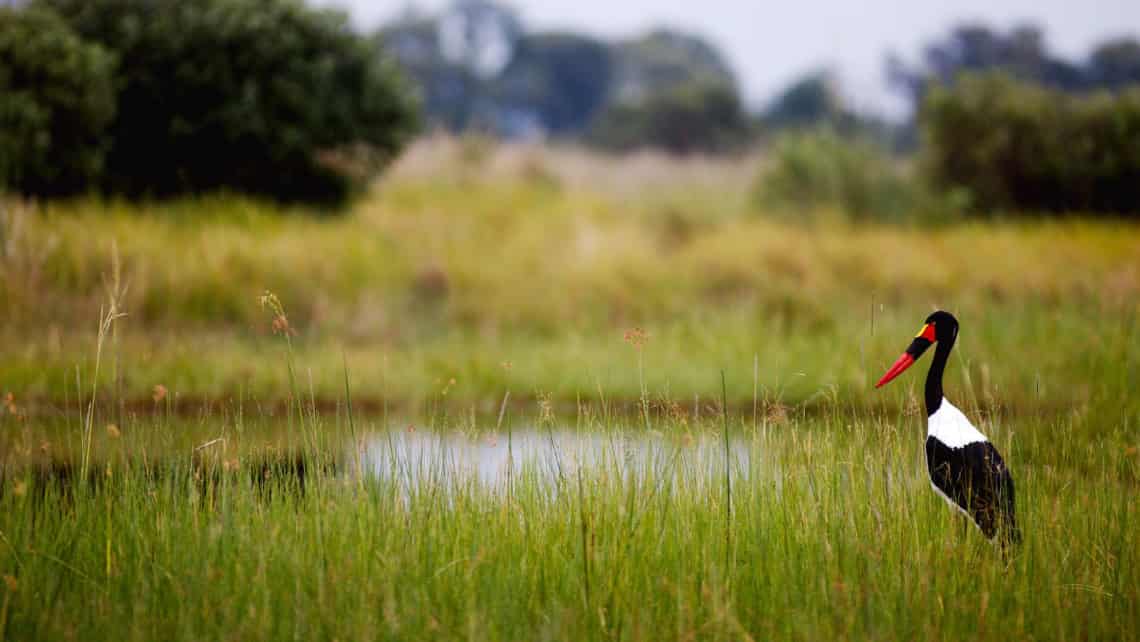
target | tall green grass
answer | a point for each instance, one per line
(521, 270)
(834, 533)
(237, 476)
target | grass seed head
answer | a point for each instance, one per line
(280, 323)
(9, 404)
(636, 337)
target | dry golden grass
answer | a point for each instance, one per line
(468, 255)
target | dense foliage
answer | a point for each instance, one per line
(692, 117)
(264, 97)
(56, 98)
(477, 68)
(564, 78)
(1016, 146)
(823, 170)
(1022, 52)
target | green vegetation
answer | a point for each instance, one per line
(460, 263)
(695, 117)
(56, 98)
(158, 99)
(1014, 146)
(833, 532)
(211, 465)
(856, 178)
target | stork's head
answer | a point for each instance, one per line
(939, 326)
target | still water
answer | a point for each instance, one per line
(411, 457)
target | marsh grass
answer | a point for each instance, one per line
(243, 473)
(446, 272)
(810, 526)
(834, 532)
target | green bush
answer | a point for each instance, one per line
(264, 96)
(819, 170)
(56, 99)
(695, 116)
(1016, 146)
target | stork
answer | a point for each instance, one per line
(965, 468)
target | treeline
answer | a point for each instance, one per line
(164, 97)
(1022, 53)
(1009, 126)
(1012, 145)
(478, 68)
(991, 145)
(156, 98)
(1001, 125)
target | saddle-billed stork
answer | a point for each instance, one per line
(965, 468)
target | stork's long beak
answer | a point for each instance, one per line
(923, 340)
(904, 362)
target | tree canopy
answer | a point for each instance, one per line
(638, 92)
(56, 98)
(261, 96)
(1022, 53)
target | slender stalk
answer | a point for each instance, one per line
(755, 387)
(585, 538)
(351, 422)
(510, 446)
(107, 319)
(727, 480)
(641, 382)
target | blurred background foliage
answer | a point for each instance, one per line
(56, 100)
(269, 98)
(1019, 146)
(156, 98)
(545, 189)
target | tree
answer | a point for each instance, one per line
(699, 116)
(261, 96)
(673, 91)
(562, 78)
(447, 91)
(1021, 53)
(811, 100)
(1020, 146)
(56, 99)
(664, 60)
(564, 84)
(455, 59)
(1116, 63)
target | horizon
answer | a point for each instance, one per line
(855, 55)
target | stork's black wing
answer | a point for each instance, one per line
(976, 479)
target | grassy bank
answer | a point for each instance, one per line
(522, 271)
(197, 471)
(832, 532)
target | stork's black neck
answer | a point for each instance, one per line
(934, 376)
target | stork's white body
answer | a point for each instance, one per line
(949, 426)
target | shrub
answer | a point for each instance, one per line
(1016, 146)
(56, 99)
(260, 96)
(695, 116)
(818, 170)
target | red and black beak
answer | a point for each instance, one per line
(923, 340)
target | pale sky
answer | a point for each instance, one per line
(769, 44)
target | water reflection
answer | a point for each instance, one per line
(551, 455)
